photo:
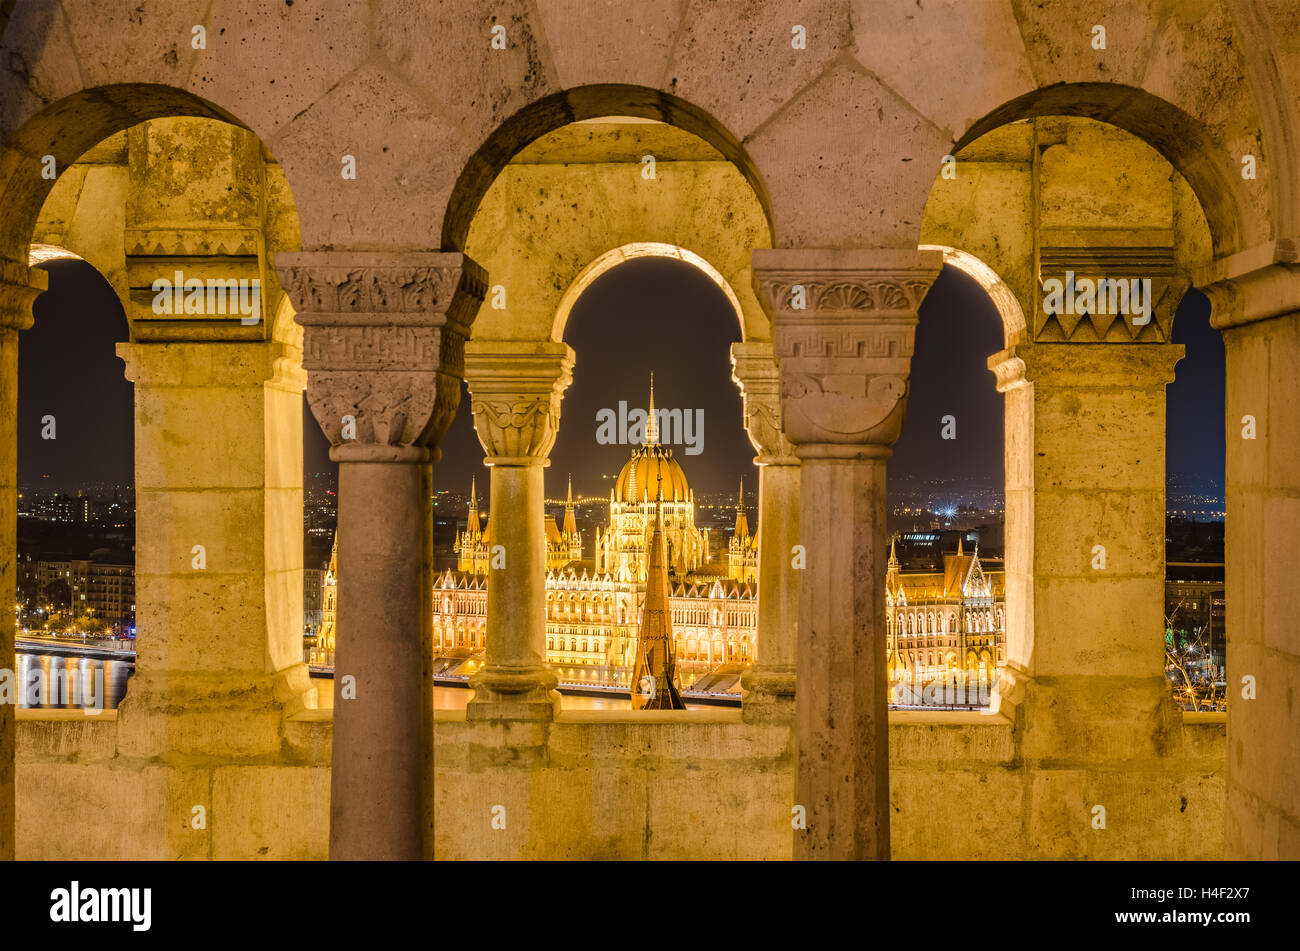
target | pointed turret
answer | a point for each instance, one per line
(742, 524)
(959, 551)
(570, 523)
(891, 568)
(473, 526)
(654, 676)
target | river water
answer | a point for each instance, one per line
(67, 683)
(49, 681)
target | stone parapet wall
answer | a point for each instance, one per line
(606, 785)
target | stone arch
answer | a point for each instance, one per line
(574, 105)
(628, 252)
(66, 130)
(1003, 297)
(1184, 140)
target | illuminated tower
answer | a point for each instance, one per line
(570, 523)
(742, 550)
(654, 676)
(623, 547)
(323, 655)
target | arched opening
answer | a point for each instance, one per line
(1088, 212)
(618, 476)
(67, 130)
(629, 252)
(1183, 141)
(76, 498)
(946, 475)
(126, 178)
(616, 187)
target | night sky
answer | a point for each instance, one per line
(959, 329)
(68, 368)
(647, 315)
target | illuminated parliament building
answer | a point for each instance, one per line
(593, 607)
(944, 625)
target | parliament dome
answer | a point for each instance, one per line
(639, 479)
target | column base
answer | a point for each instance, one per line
(769, 695)
(514, 693)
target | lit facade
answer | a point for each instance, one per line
(944, 625)
(474, 545)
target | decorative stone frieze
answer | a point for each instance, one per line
(1111, 318)
(516, 390)
(384, 338)
(212, 255)
(844, 328)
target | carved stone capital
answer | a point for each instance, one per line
(20, 285)
(844, 327)
(383, 344)
(515, 390)
(754, 369)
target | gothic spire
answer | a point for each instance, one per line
(473, 526)
(570, 523)
(742, 524)
(654, 677)
(652, 421)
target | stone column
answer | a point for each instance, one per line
(516, 390)
(845, 322)
(218, 477)
(1258, 310)
(769, 684)
(19, 287)
(1085, 474)
(384, 337)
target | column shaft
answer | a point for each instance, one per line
(376, 788)
(8, 575)
(770, 683)
(19, 287)
(844, 329)
(842, 774)
(1263, 653)
(1086, 515)
(515, 676)
(517, 590)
